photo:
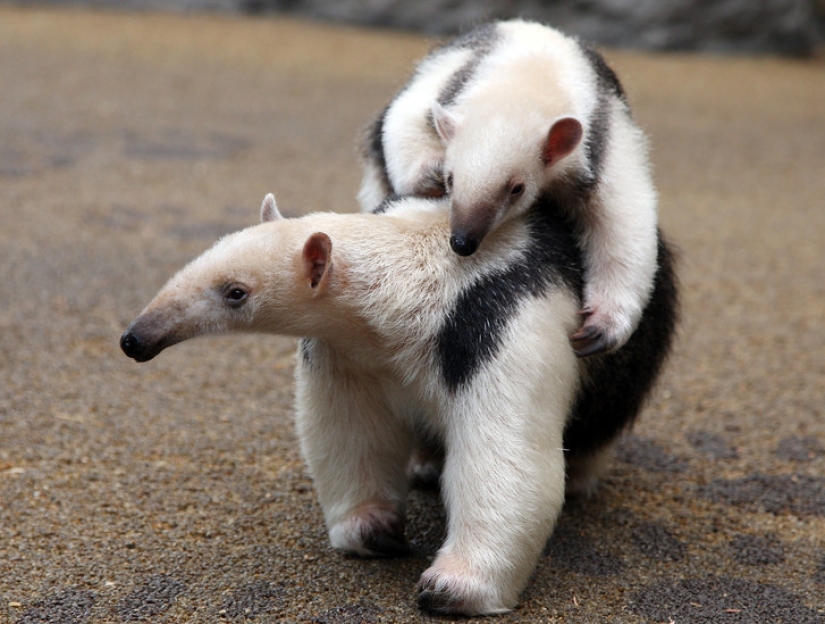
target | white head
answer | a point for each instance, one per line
(498, 160)
(263, 278)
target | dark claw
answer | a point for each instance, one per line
(436, 602)
(589, 341)
(592, 348)
(386, 544)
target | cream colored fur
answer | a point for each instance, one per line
(492, 138)
(370, 381)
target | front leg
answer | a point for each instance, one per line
(503, 495)
(504, 473)
(414, 155)
(619, 241)
(357, 453)
(503, 487)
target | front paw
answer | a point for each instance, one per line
(600, 333)
(449, 588)
(374, 530)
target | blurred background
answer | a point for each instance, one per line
(787, 27)
(133, 133)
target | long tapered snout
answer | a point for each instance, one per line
(469, 226)
(137, 348)
(148, 335)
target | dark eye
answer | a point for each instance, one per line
(517, 189)
(235, 297)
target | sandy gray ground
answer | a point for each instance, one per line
(174, 492)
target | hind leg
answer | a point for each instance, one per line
(357, 452)
(426, 464)
(585, 470)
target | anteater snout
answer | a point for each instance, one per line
(136, 348)
(463, 245)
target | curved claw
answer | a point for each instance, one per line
(384, 544)
(589, 341)
(436, 602)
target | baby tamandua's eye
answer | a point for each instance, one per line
(516, 189)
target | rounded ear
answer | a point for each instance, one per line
(317, 260)
(269, 209)
(444, 122)
(564, 136)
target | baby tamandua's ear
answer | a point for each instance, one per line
(317, 261)
(564, 136)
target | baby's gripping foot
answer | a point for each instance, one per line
(601, 332)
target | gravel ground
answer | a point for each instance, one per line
(174, 492)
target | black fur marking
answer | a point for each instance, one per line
(373, 147)
(473, 330)
(598, 136)
(595, 146)
(481, 37)
(308, 349)
(389, 200)
(617, 384)
(456, 84)
(481, 41)
(608, 80)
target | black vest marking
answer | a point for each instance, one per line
(617, 384)
(472, 332)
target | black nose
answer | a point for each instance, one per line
(462, 245)
(130, 344)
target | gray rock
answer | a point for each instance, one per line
(788, 27)
(791, 27)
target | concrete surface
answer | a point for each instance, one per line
(174, 492)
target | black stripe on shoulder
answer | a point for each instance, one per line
(608, 87)
(617, 384)
(608, 80)
(372, 146)
(387, 203)
(481, 41)
(595, 146)
(471, 334)
(480, 37)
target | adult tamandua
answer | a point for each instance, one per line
(405, 341)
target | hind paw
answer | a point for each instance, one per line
(374, 530)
